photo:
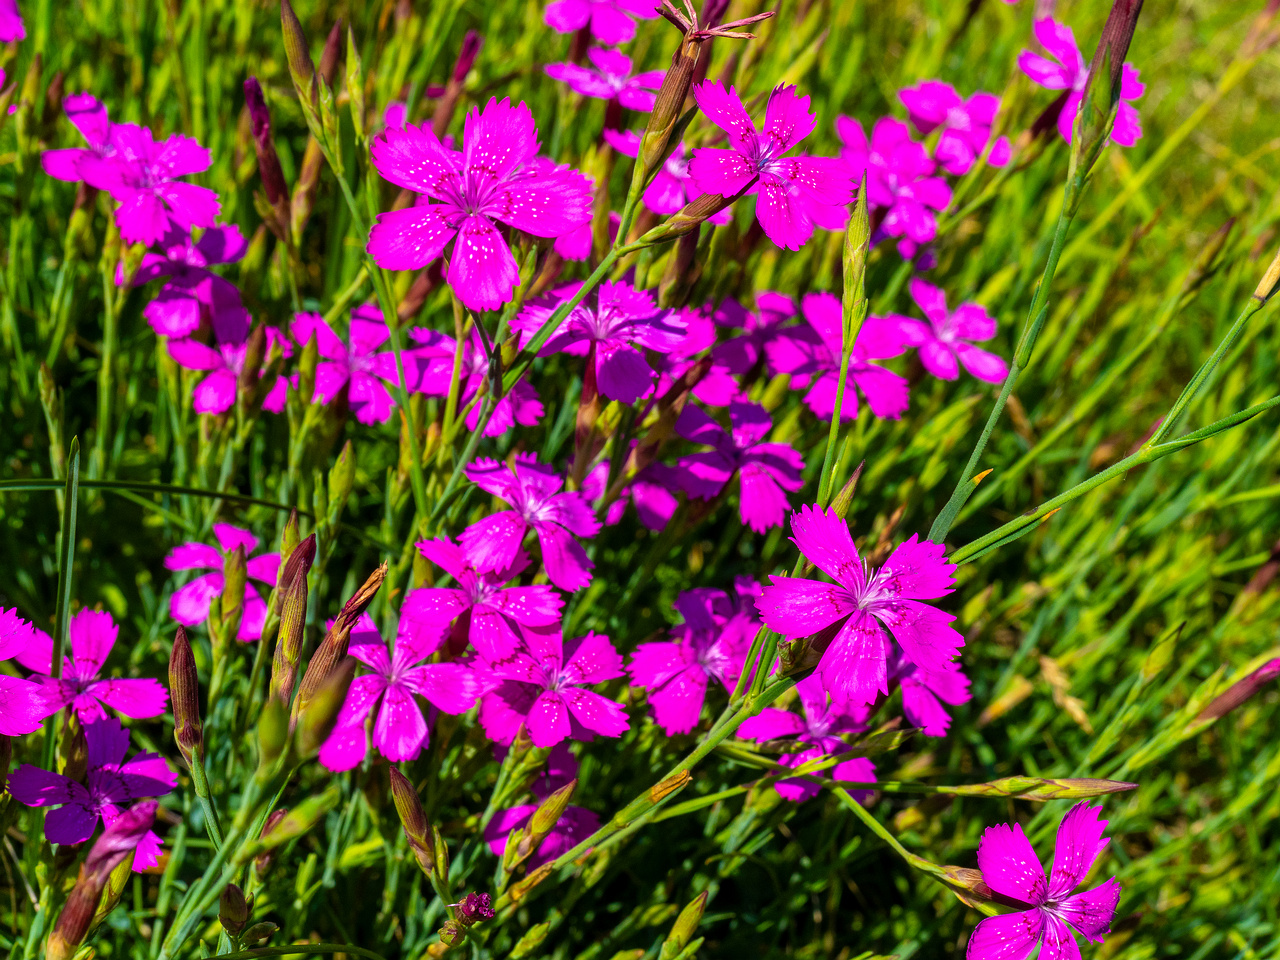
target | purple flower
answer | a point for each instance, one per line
(360, 368)
(741, 353)
(496, 177)
(110, 784)
(1068, 71)
(574, 826)
(543, 686)
(790, 189)
(23, 704)
(900, 179)
(610, 20)
(533, 490)
(853, 612)
(812, 357)
(712, 643)
(91, 634)
(216, 393)
(142, 176)
(765, 469)
(966, 124)
(820, 726)
(479, 608)
(400, 731)
(943, 341)
(610, 80)
(519, 405)
(925, 691)
(671, 188)
(189, 604)
(11, 27)
(650, 490)
(607, 327)
(192, 297)
(716, 386)
(89, 117)
(1010, 868)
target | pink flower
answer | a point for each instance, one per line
(142, 176)
(671, 188)
(717, 386)
(109, 784)
(533, 490)
(543, 686)
(11, 27)
(1010, 868)
(760, 328)
(23, 704)
(712, 643)
(966, 124)
(496, 177)
(650, 490)
(520, 405)
(400, 731)
(610, 20)
(607, 327)
(1066, 70)
(574, 826)
(193, 297)
(360, 368)
(190, 603)
(479, 608)
(853, 613)
(943, 341)
(822, 723)
(91, 634)
(899, 179)
(925, 691)
(765, 469)
(610, 80)
(90, 118)
(789, 189)
(216, 393)
(812, 357)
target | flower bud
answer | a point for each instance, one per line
(262, 863)
(330, 54)
(233, 910)
(298, 53)
(474, 908)
(184, 694)
(341, 476)
(294, 823)
(690, 217)
(255, 350)
(293, 619)
(114, 890)
(1238, 693)
(442, 852)
(269, 172)
(273, 732)
(844, 499)
(1101, 95)
(235, 576)
(532, 939)
(290, 537)
(355, 85)
(684, 928)
(448, 103)
(317, 720)
(259, 932)
(414, 821)
(1267, 285)
(1038, 788)
(522, 844)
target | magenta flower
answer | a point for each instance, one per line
(944, 341)
(821, 724)
(574, 826)
(533, 490)
(496, 177)
(142, 176)
(360, 368)
(966, 124)
(900, 179)
(854, 611)
(479, 608)
(110, 784)
(224, 362)
(520, 405)
(91, 634)
(671, 188)
(23, 704)
(89, 117)
(1066, 70)
(716, 386)
(765, 469)
(543, 686)
(759, 329)
(712, 643)
(193, 297)
(400, 731)
(610, 80)
(650, 490)
(789, 188)
(610, 20)
(190, 603)
(1010, 868)
(11, 26)
(607, 327)
(925, 691)
(812, 357)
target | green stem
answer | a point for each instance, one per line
(302, 950)
(66, 563)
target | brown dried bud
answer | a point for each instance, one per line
(665, 788)
(184, 694)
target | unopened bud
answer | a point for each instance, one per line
(844, 499)
(544, 820)
(298, 52)
(691, 216)
(308, 361)
(331, 53)
(414, 820)
(269, 172)
(233, 910)
(293, 619)
(334, 646)
(235, 576)
(262, 863)
(1038, 788)
(684, 928)
(320, 716)
(1267, 285)
(117, 880)
(1238, 693)
(341, 476)
(294, 823)
(259, 932)
(442, 852)
(355, 84)
(290, 537)
(273, 732)
(184, 695)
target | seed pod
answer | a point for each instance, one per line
(317, 720)
(184, 694)
(684, 928)
(233, 910)
(414, 821)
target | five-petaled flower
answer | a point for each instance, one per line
(945, 342)
(110, 784)
(1010, 868)
(224, 363)
(22, 703)
(88, 116)
(496, 177)
(850, 615)
(610, 80)
(519, 405)
(965, 124)
(189, 604)
(792, 193)
(193, 297)
(609, 20)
